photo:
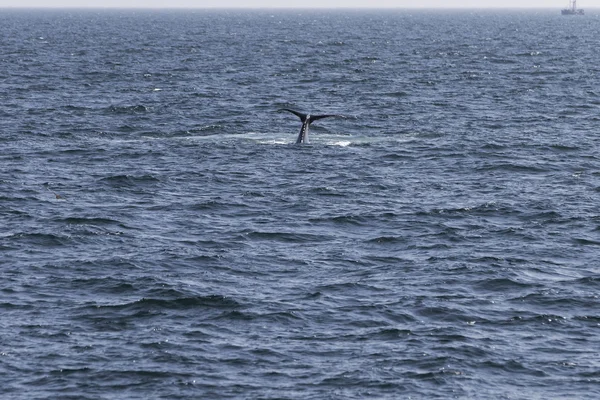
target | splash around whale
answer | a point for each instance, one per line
(308, 119)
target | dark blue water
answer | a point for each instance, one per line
(163, 237)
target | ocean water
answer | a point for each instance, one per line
(162, 236)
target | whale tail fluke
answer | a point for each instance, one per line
(308, 119)
(312, 118)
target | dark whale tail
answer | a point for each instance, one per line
(308, 119)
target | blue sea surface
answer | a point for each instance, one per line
(163, 237)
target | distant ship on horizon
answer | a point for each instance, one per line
(572, 9)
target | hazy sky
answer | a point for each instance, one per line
(300, 3)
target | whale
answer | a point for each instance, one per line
(308, 119)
